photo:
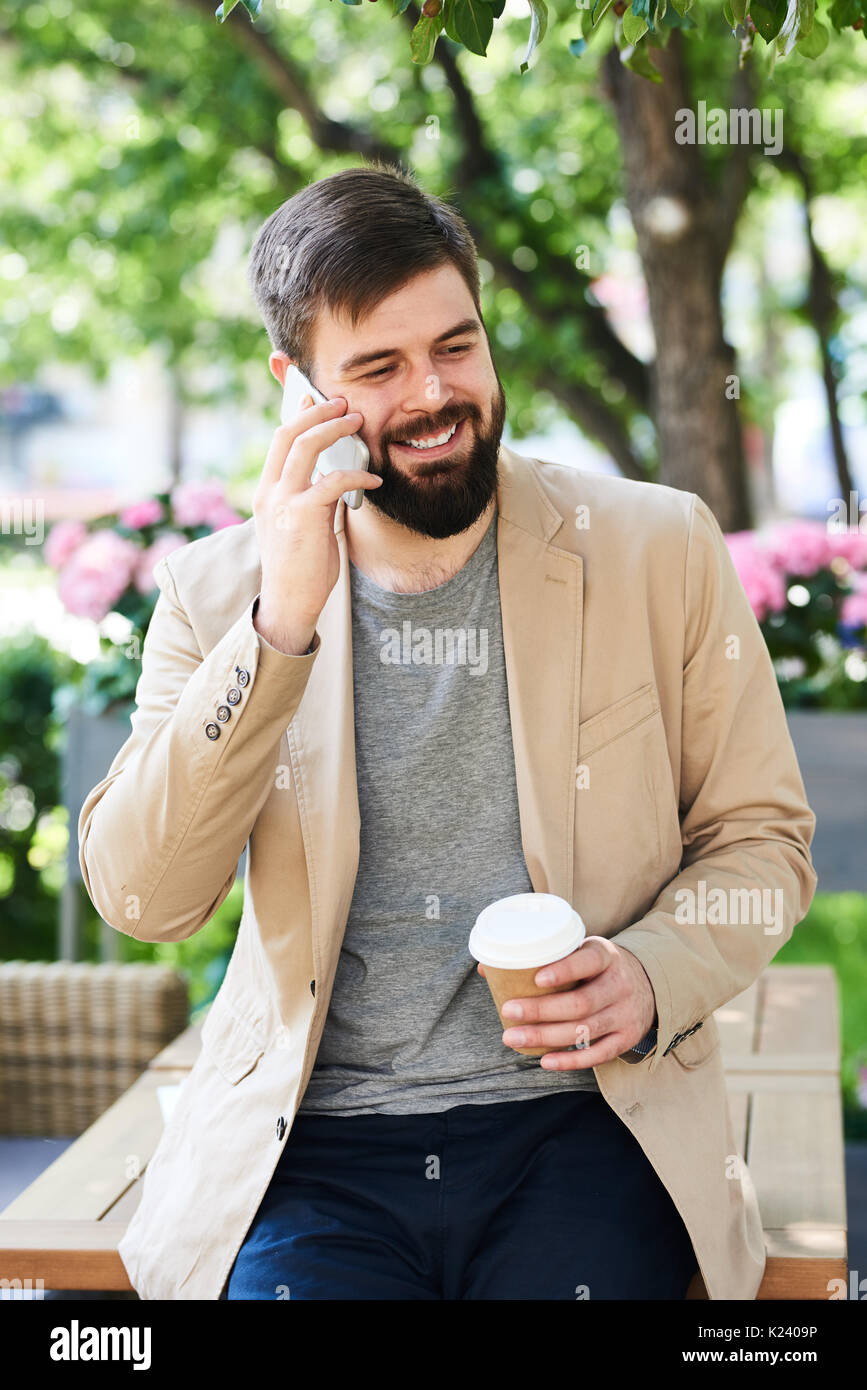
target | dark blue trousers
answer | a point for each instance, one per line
(549, 1198)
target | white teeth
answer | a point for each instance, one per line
(432, 443)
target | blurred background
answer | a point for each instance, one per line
(691, 313)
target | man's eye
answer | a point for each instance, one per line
(459, 347)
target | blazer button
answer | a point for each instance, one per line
(212, 730)
(281, 1127)
(223, 713)
(233, 695)
(243, 676)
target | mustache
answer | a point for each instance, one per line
(419, 430)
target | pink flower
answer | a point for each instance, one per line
(97, 574)
(145, 513)
(764, 585)
(850, 546)
(224, 516)
(853, 611)
(62, 541)
(163, 545)
(194, 504)
(800, 547)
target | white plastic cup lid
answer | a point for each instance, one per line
(526, 930)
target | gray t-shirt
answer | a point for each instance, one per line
(411, 1026)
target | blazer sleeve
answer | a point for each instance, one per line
(160, 836)
(746, 826)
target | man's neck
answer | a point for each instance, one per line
(403, 561)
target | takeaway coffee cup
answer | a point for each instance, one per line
(514, 937)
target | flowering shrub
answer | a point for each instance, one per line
(108, 567)
(807, 585)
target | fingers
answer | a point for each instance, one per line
(571, 1003)
(603, 1050)
(316, 426)
(330, 486)
(594, 955)
(580, 1034)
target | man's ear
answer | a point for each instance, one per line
(279, 362)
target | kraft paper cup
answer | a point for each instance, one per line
(514, 937)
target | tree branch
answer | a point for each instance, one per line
(823, 309)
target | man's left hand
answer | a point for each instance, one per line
(611, 1008)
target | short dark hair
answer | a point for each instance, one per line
(346, 242)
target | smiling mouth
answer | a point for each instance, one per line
(433, 445)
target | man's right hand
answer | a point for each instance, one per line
(295, 523)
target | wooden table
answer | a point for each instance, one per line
(781, 1053)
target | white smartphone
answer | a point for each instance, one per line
(348, 452)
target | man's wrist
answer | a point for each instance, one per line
(647, 1043)
(281, 639)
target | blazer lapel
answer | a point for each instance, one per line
(541, 598)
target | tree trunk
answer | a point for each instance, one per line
(695, 391)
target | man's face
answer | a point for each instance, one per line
(418, 365)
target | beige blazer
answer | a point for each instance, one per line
(652, 755)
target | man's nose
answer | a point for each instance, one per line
(425, 391)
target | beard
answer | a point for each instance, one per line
(445, 496)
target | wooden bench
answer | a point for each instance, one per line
(781, 1053)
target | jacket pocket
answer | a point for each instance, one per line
(616, 720)
(699, 1047)
(233, 1045)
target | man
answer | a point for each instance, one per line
(605, 726)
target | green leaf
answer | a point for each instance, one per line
(728, 16)
(676, 21)
(398, 7)
(474, 24)
(814, 43)
(681, 6)
(497, 7)
(658, 37)
(768, 17)
(422, 40)
(636, 60)
(538, 25)
(448, 20)
(224, 9)
(577, 47)
(798, 22)
(739, 10)
(843, 13)
(253, 8)
(634, 27)
(606, 6)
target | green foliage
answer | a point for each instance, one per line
(33, 828)
(470, 23)
(203, 957)
(834, 932)
(808, 638)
